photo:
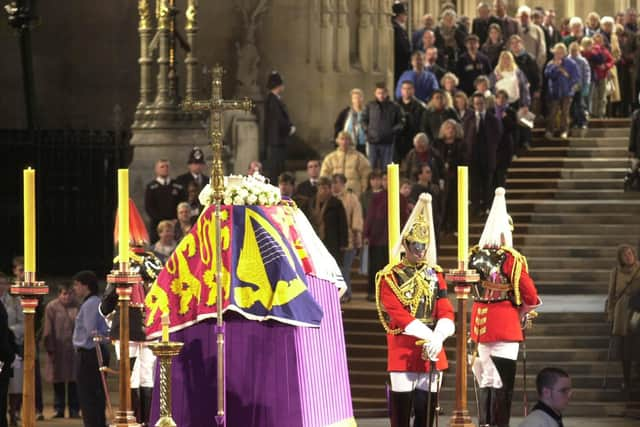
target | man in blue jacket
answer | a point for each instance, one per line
(383, 121)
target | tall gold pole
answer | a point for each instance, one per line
(165, 351)
(462, 278)
(216, 106)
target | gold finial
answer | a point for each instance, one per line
(191, 15)
(145, 15)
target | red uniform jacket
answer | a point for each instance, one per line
(500, 321)
(403, 354)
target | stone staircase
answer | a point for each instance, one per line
(570, 213)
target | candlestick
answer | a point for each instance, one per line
(165, 351)
(393, 202)
(165, 328)
(29, 177)
(463, 216)
(123, 215)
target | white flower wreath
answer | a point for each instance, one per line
(244, 190)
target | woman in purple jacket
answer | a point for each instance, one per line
(562, 78)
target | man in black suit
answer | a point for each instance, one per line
(309, 188)
(196, 165)
(330, 220)
(508, 25)
(482, 131)
(161, 197)
(480, 25)
(402, 43)
(277, 126)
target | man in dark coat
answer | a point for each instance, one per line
(480, 25)
(308, 188)
(413, 109)
(330, 220)
(472, 64)
(383, 121)
(277, 127)
(482, 131)
(508, 25)
(161, 198)
(196, 165)
(402, 44)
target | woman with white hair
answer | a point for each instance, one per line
(576, 31)
(561, 74)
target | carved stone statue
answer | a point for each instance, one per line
(247, 52)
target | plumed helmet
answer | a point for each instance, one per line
(144, 263)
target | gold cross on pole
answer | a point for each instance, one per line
(216, 106)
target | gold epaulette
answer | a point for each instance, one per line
(437, 268)
(519, 263)
(387, 273)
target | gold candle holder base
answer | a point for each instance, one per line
(29, 290)
(123, 280)
(165, 351)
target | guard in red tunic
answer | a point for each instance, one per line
(411, 297)
(503, 297)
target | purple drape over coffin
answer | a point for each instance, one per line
(277, 375)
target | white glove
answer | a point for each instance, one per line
(292, 130)
(432, 348)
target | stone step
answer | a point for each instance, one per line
(573, 206)
(531, 161)
(532, 229)
(566, 274)
(524, 171)
(599, 133)
(572, 194)
(576, 218)
(567, 184)
(616, 152)
(619, 142)
(521, 240)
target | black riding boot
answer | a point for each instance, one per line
(146, 395)
(423, 406)
(401, 408)
(484, 405)
(501, 406)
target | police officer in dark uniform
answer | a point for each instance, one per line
(196, 165)
(402, 43)
(161, 197)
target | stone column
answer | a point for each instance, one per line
(191, 61)
(342, 44)
(385, 57)
(162, 15)
(366, 34)
(145, 27)
(327, 35)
